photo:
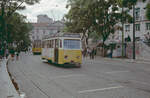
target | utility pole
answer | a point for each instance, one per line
(134, 55)
(122, 31)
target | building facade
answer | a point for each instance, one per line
(142, 24)
(45, 26)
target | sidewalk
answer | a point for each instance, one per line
(7, 89)
(122, 60)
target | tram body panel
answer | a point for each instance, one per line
(50, 54)
(63, 50)
(36, 50)
(70, 56)
(44, 53)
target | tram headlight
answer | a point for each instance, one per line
(78, 57)
(65, 56)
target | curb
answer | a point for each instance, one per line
(138, 61)
(10, 90)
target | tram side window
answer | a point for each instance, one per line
(52, 43)
(43, 44)
(47, 43)
(33, 45)
(56, 43)
(60, 43)
(71, 44)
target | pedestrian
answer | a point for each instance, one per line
(108, 53)
(17, 55)
(90, 53)
(12, 51)
(84, 52)
(7, 53)
(93, 53)
(0, 53)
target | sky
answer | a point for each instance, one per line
(55, 9)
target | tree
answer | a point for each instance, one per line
(8, 19)
(131, 4)
(18, 30)
(148, 11)
(98, 16)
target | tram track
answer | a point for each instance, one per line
(33, 83)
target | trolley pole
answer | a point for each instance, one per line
(134, 55)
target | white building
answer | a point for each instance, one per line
(142, 24)
(45, 26)
(44, 19)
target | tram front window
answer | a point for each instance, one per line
(71, 44)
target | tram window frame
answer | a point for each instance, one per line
(67, 44)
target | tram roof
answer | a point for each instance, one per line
(71, 35)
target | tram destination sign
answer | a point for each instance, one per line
(74, 35)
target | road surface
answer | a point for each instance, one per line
(96, 79)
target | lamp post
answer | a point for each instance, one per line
(134, 55)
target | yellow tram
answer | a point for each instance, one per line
(36, 47)
(62, 49)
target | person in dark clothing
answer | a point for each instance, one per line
(93, 53)
(0, 53)
(84, 52)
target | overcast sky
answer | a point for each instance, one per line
(53, 8)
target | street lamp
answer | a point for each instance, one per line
(134, 55)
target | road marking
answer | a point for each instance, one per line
(112, 72)
(101, 89)
(139, 82)
(68, 76)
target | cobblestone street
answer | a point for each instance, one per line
(95, 79)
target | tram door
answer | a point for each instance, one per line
(56, 51)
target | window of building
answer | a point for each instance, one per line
(137, 13)
(147, 26)
(37, 37)
(33, 37)
(127, 28)
(44, 32)
(137, 27)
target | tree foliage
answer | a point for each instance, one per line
(148, 11)
(94, 16)
(18, 29)
(14, 28)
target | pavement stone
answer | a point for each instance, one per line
(7, 89)
(140, 61)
